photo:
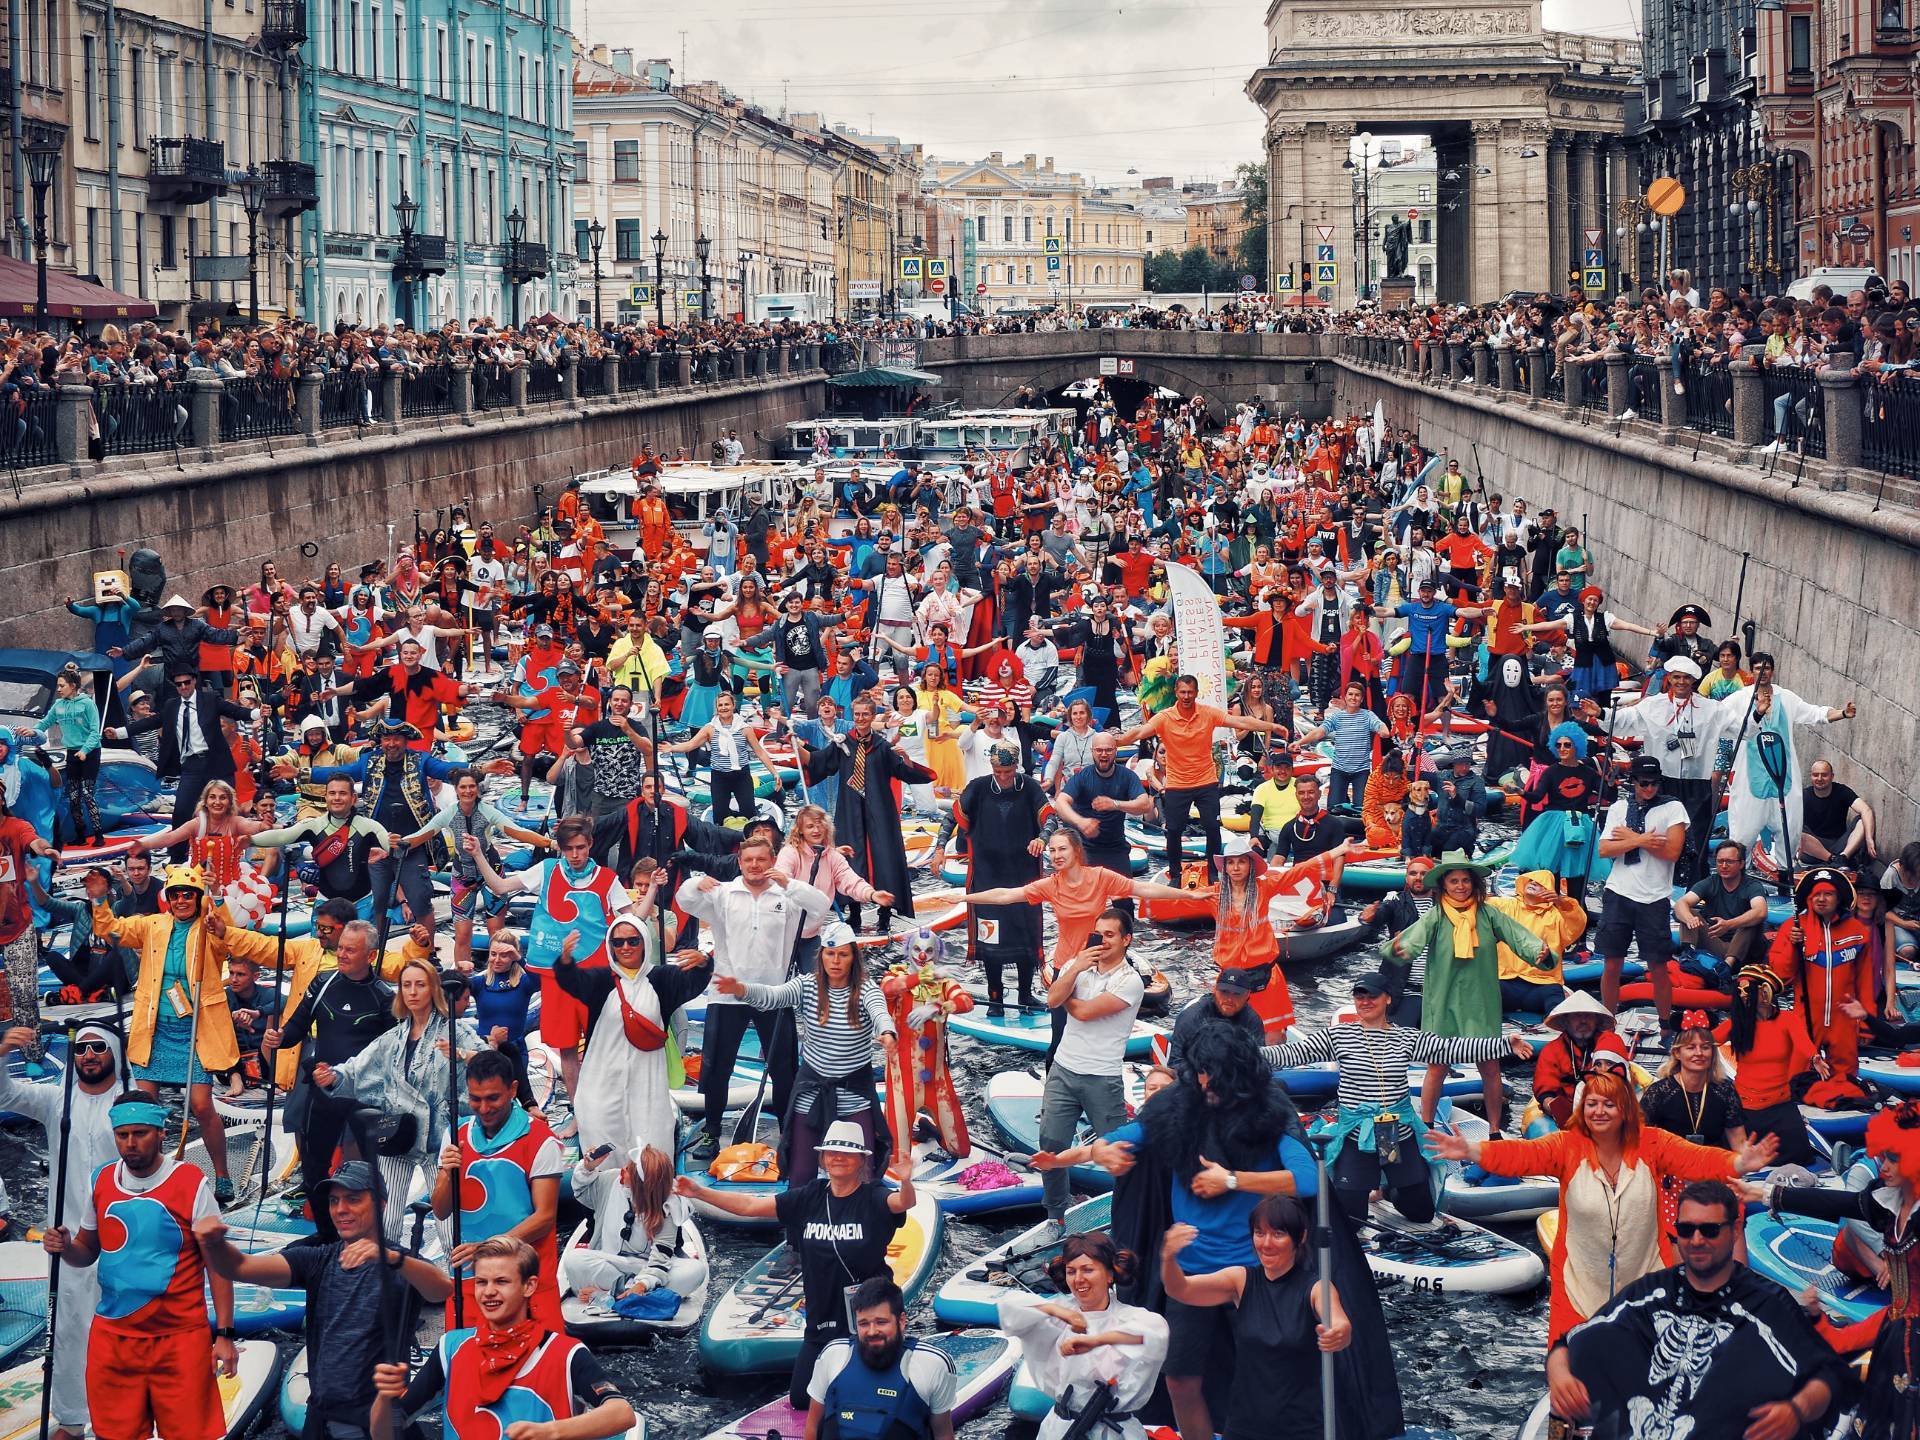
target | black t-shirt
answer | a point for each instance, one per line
(344, 1340)
(1827, 815)
(1302, 841)
(841, 1240)
(963, 549)
(1719, 903)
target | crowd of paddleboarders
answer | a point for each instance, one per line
(535, 897)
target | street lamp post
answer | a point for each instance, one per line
(516, 232)
(660, 279)
(42, 146)
(747, 257)
(596, 236)
(1365, 227)
(702, 248)
(408, 210)
(253, 199)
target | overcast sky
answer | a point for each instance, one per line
(1103, 86)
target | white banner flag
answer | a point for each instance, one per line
(1201, 636)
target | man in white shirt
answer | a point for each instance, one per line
(1682, 730)
(755, 920)
(310, 624)
(1101, 992)
(1644, 834)
(732, 452)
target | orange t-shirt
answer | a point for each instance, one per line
(1189, 744)
(1076, 905)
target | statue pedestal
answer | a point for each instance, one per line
(1396, 293)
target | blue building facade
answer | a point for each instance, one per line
(465, 109)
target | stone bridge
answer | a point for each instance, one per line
(1286, 371)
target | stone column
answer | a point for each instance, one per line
(783, 362)
(517, 379)
(1586, 188)
(1539, 362)
(1840, 393)
(1749, 397)
(1484, 212)
(1482, 363)
(1452, 223)
(1619, 371)
(1451, 370)
(392, 392)
(71, 430)
(682, 369)
(653, 372)
(204, 390)
(463, 390)
(610, 375)
(1673, 408)
(1328, 147)
(739, 364)
(1503, 364)
(306, 404)
(1573, 392)
(570, 376)
(1559, 213)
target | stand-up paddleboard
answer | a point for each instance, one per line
(1535, 1425)
(243, 1396)
(1016, 1270)
(1886, 1071)
(1473, 1194)
(23, 1297)
(684, 1164)
(258, 1309)
(1796, 1252)
(1031, 1028)
(1013, 1101)
(599, 1324)
(983, 1363)
(1451, 1256)
(984, 1182)
(758, 1325)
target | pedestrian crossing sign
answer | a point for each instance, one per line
(640, 294)
(1595, 278)
(1053, 245)
(936, 268)
(1326, 273)
(1284, 280)
(910, 267)
(693, 299)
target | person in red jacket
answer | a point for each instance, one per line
(1563, 1062)
(413, 691)
(1827, 957)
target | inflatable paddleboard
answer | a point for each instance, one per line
(23, 1299)
(1473, 1194)
(1016, 1270)
(1797, 1252)
(984, 1182)
(1013, 1101)
(758, 1325)
(599, 1324)
(1032, 1029)
(1888, 1073)
(684, 1164)
(242, 1397)
(983, 1363)
(1452, 1256)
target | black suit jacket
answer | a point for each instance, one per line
(219, 755)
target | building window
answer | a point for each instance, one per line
(1893, 14)
(136, 96)
(399, 44)
(1426, 277)
(470, 93)
(626, 161)
(582, 248)
(486, 74)
(626, 240)
(520, 87)
(1426, 232)
(93, 241)
(1006, 229)
(1029, 274)
(1800, 44)
(1026, 232)
(89, 61)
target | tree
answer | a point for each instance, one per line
(1163, 271)
(1198, 270)
(1251, 177)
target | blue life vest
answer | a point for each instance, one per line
(867, 1404)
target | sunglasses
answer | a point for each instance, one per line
(184, 684)
(625, 942)
(1705, 1229)
(92, 1047)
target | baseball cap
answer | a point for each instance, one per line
(1646, 767)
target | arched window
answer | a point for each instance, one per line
(1099, 274)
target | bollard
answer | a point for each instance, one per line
(463, 390)
(1619, 377)
(610, 375)
(1840, 394)
(306, 405)
(1749, 396)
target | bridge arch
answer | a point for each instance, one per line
(1046, 374)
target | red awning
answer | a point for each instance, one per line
(68, 296)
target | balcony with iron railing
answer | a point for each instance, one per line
(292, 187)
(283, 26)
(528, 259)
(186, 170)
(422, 255)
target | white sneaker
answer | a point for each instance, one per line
(1774, 449)
(1629, 414)
(1679, 388)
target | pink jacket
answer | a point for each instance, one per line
(836, 877)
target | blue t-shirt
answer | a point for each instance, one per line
(1224, 1237)
(1352, 732)
(1122, 785)
(1427, 626)
(502, 1005)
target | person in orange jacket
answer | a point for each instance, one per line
(1563, 1062)
(1827, 957)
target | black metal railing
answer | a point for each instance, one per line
(283, 23)
(1890, 424)
(543, 384)
(839, 357)
(710, 367)
(1593, 383)
(348, 397)
(183, 166)
(633, 373)
(1709, 397)
(292, 187)
(1645, 376)
(141, 419)
(1794, 415)
(256, 407)
(1556, 380)
(28, 436)
(592, 373)
(426, 392)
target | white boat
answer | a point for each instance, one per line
(1020, 435)
(695, 492)
(851, 437)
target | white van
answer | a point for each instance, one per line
(1839, 278)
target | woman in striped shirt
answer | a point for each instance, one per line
(1376, 1137)
(839, 1013)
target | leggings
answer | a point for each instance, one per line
(1358, 1173)
(732, 794)
(994, 960)
(77, 779)
(22, 954)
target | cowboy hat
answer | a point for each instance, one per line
(1235, 844)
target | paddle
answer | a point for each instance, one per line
(1323, 1243)
(59, 1219)
(453, 1129)
(273, 1068)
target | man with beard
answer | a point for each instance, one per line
(880, 1385)
(866, 815)
(1001, 812)
(82, 1116)
(1705, 1348)
(1228, 1136)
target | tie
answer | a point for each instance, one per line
(186, 711)
(857, 782)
